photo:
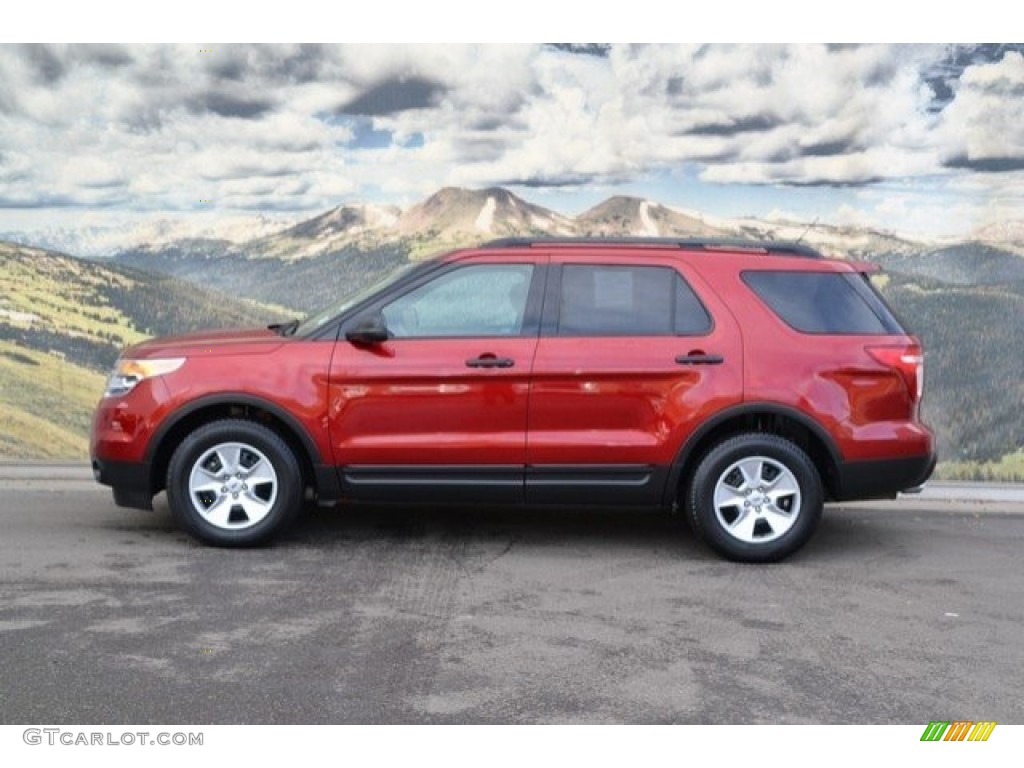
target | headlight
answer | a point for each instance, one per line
(128, 373)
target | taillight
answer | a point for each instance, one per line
(908, 360)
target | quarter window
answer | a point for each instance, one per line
(599, 300)
(824, 302)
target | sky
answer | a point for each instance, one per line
(926, 140)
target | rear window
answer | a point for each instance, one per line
(824, 302)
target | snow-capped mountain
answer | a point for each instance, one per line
(453, 217)
(98, 241)
(1007, 233)
(347, 224)
(452, 214)
(633, 216)
(839, 241)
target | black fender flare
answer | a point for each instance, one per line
(685, 453)
(232, 398)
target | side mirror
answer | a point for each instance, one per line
(369, 330)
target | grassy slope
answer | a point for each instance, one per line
(46, 404)
(63, 322)
(1010, 468)
(62, 293)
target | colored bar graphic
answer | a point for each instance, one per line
(958, 730)
(982, 730)
(934, 730)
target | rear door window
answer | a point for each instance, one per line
(625, 300)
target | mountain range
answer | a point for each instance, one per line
(454, 216)
(304, 265)
(965, 298)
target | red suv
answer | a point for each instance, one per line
(745, 382)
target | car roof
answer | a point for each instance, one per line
(734, 245)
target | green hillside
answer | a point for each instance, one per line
(970, 263)
(304, 285)
(46, 404)
(63, 322)
(974, 369)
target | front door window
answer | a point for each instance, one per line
(484, 300)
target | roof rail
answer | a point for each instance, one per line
(780, 247)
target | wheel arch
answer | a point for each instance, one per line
(231, 406)
(769, 418)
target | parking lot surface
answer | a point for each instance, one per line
(896, 612)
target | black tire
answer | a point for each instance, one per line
(215, 503)
(770, 498)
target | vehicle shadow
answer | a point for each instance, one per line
(487, 523)
(842, 533)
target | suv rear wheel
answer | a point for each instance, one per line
(755, 498)
(234, 483)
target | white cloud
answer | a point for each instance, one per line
(160, 127)
(984, 126)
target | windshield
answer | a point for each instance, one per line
(321, 318)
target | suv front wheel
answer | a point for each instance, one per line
(234, 483)
(755, 498)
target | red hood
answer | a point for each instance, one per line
(231, 342)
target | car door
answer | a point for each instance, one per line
(631, 358)
(439, 409)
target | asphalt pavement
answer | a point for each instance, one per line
(896, 612)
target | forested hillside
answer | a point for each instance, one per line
(974, 389)
(300, 285)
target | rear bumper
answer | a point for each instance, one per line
(882, 478)
(128, 479)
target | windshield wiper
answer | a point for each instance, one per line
(284, 329)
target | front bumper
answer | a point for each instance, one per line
(128, 479)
